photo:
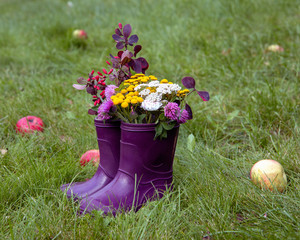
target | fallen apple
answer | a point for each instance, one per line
(80, 34)
(275, 48)
(268, 174)
(30, 124)
(91, 155)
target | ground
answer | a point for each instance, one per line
(253, 114)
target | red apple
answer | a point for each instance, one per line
(268, 174)
(30, 124)
(80, 34)
(91, 155)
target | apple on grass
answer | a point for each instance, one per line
(80, 34)
(29, 124)
(90, 156)
(269, 174)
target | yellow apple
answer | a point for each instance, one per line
(268, 174)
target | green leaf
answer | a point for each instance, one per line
(141, 118)
(133, 116)
(164, 134)
(168, 126)
(158, 130)
(95, 108)
(233, 115)
(70, 115)
(191, 142)
(120, 87)
(161, 116)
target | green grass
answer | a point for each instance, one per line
(253, 114)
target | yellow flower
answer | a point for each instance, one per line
(170, 83)
(116, 101)
(134, 101)
(140, 99)
(139, 75)
(123, 91)
(152, 77)
(124, 104)
(127, 100)
(126, 84)
(185, 90)
(164, 81)
(120, 95)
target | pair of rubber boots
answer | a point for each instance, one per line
(133, 168)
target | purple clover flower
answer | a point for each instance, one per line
(109, 91)
(105, 106)
(103, 116)
(184, 116)
(173, 112)
(104, 109)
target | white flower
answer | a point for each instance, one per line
(144, 92)
(152, 102)
(151, 106)
(168, 88)
(154, 97)
(153, 84)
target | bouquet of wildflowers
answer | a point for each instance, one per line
(117, 94)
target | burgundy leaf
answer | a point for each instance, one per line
(119, 45)
(133, 39)
(130, 64)
(79, 87)
(127, 30)
(91, 90)
(117, 38)
(120, 54)
(204, 95)
(125, 69)
(188, 82)
(126, 53)
(137, 66)
(81, 80)
(121, 74)
(92, 112)
(115, 62)
(137, 49)
(126, 57)
(189, 110)
(125, 60)
(118, 32)
(112, 77)
(144, 63)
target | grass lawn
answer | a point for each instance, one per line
(253, 114)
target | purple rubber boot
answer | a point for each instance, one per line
(145, 171)
(108, 136)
